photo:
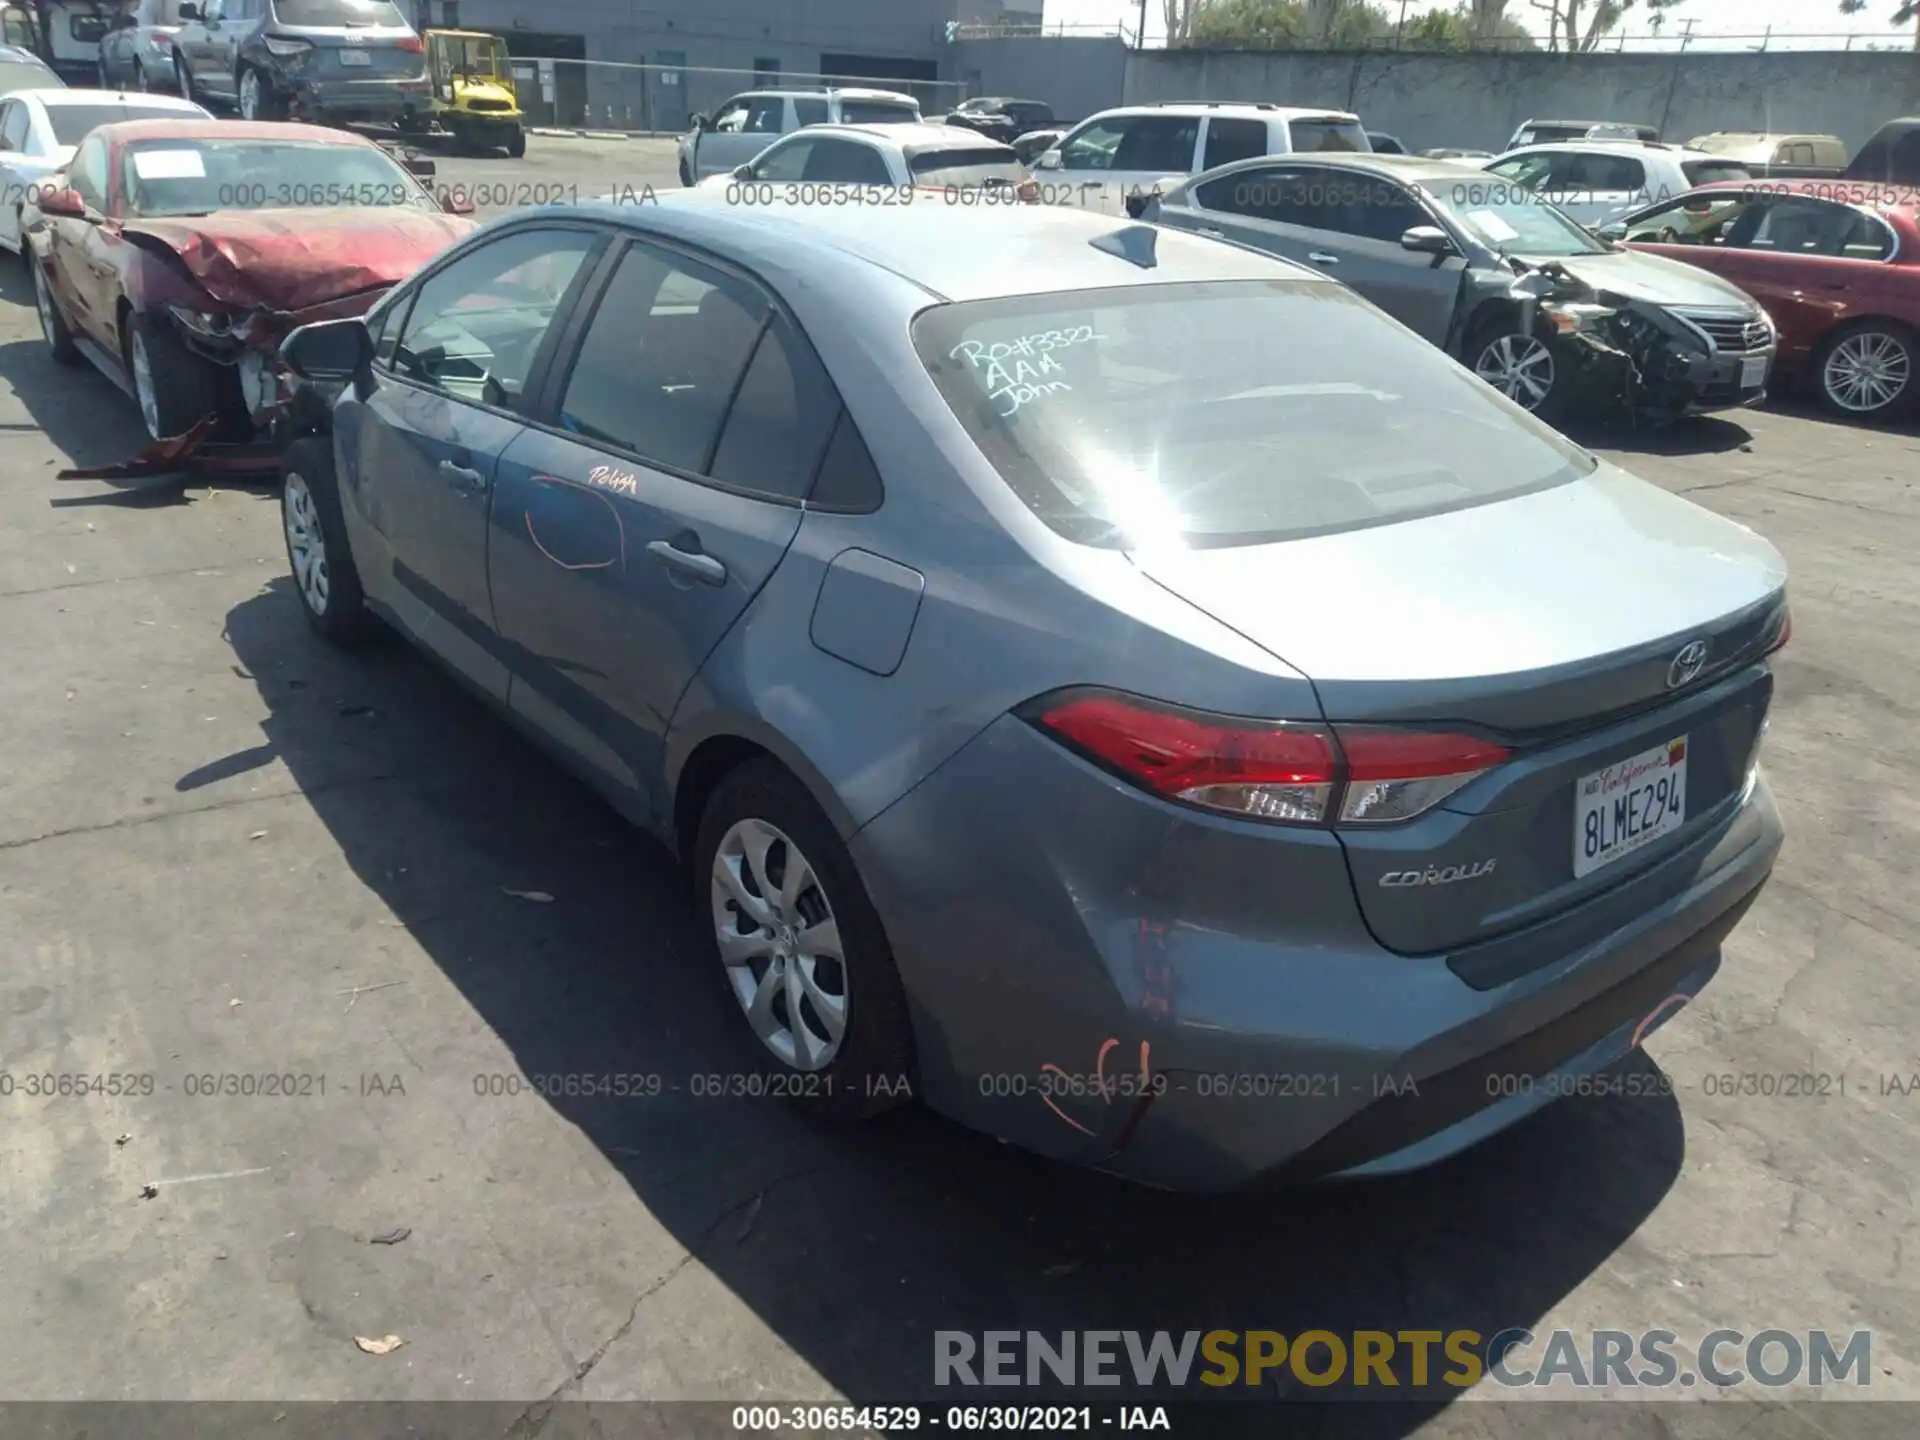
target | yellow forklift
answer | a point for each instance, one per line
(474, 102)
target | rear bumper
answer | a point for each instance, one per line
(1161, 995)
(360, 99)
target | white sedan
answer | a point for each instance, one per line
(935, 157)
(1594, 181)
(40, 129)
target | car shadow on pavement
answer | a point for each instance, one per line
(854, 1246)
(1692, 435)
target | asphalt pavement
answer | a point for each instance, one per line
(226, 850)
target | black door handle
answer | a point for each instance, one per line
(467, 482)
(694, 563)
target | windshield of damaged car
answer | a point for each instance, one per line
(1227, 413)
(73, 123)
(323, 13)
(1510, 218)
(201, 177)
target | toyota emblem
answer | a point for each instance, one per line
(1687, 665)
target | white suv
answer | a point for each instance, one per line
(740, 129)
(1136, 151)
(1594, 181)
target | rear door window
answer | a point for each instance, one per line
(661, 358)
(1231, 140)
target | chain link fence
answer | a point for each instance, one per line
(655, 99)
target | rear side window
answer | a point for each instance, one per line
(780, 419)
(660, 360)
(1227, 413)
(1601, 172)
(1706, 172)
(326, 13)
(810, 112)
(848, 479)
(878, 112)
(1231, 140)
(990, 165)
(1308, 135)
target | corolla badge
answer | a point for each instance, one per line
(1687, 665)
(1444, 875)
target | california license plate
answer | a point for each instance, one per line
(355, 57)
(1753, 372)
(1629, 805)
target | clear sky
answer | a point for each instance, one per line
(1710, 17)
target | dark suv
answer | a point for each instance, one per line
(325, 60)
(1001, 119)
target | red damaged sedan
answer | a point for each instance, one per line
(179, 253)
(1835, 263)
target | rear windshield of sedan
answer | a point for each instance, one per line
(73, 123)
(1327, 135)
(324, 13)
(1231, 413)
(994, 165)
(198, 177)
(878, 112)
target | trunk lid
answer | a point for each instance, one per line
(1554, 623)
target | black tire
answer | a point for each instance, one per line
(1892, 349)
(686, 173)
(517, 143)
(1506, 328)
(310, 513)
(53, 325)
(185, 386)
(872, 1071)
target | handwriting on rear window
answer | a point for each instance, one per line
(1017, 371)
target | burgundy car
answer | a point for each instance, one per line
(177, 254)
(1836, 263)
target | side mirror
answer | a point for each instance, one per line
(1613, 232)
(420, 165)
(1427, 240)
(189, 11)
(64, 200)
(456, 201)
(742, 172)
(1049, 160)
(328, 350)
(700, 120)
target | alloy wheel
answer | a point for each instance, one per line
(780, 943)
(1866, 372)
(1519, 367)
(143, 390)
(306, 543)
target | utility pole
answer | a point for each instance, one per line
(1140, 35)
(1686, 36)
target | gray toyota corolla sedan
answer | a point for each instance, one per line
(1120, 687)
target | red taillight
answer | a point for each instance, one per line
(412, 44)
(1396, 774)
(1263, 771)
(1272, 770)
(1786, 632)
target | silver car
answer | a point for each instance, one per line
(327, 61)
(739, 130)
(1140, 700)
(137, 51)
(1554, 317)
